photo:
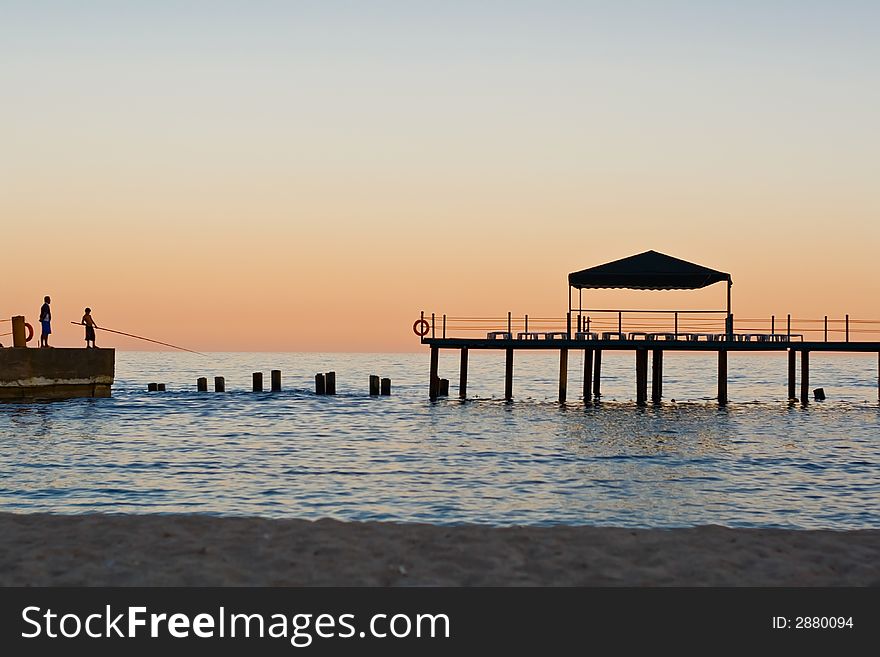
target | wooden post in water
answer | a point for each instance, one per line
(641, 376)
(588, 376)
(657, 376)
(792, 373)
(330, 382)
(202, 384)
(258, 381)
(462, 374)
(276, 380)
(374, 385)
(320, 385)
(152, 387)
(434, 380)
(219, 384)
(386, 387)
(722, 377)
(597, 375)
(444, 388)
(508, 375)
(805, 377)
(160, 387)
(563, 375)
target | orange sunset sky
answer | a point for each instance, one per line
(309, 176)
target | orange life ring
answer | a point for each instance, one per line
(30, 335)
(424, 325)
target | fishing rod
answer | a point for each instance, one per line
(140, 337)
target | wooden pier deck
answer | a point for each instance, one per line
(592, 362)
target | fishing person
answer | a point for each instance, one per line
(45, 322)
(90, 325)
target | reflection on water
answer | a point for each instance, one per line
(758, 462)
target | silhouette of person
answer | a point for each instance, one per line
(45, 322)
(90, 329)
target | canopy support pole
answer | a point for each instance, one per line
(729, 330)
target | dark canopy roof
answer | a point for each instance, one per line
(647, 271)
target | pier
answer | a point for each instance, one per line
(643, 332)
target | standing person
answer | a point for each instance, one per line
(90, 325)
(45, 322)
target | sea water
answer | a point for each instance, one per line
(758, 462)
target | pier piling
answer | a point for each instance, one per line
(462, 374)
(219, 384)
(386, 387)
(374, 385)
(434, 381)
(330, 383)
(320, 385)
(276, 380)
(641, 376)
(160, 387)
(722, 377)
(563, 375)
(657, 376)
(444, 388)
(588, 376)
(152, 387)
(597, 375)
(202, 384)
(792, 373)
(508, 375)
(805, 377)
(258, 381)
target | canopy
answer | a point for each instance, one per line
(647, 271)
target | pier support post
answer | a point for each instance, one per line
(722, 377)
(374, 385)
(330, 382)
(152, 387)
(588, 376)
(202, 384)
(597, 375)
(444, 388)
(219, 384)
(641, 377)
(805, 377)
(462, 374)
(385, 387)
(276, 380)
(508, 375)
(563, 375)
(434, 381)
(320, 384)
(792, 373)
(657, 376)
(258, 381)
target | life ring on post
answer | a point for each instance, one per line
(421, 327)
(30, 334)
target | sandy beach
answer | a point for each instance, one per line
(153, 550)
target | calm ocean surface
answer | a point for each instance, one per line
(758, 462)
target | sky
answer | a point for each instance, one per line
(309, 176)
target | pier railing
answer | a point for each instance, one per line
(671, 324)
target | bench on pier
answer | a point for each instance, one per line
(613, 335)
(586, 335)
(553, 335)
(526, 335)
(639, 335)
(708, 337)
(494, 335)
(665, 336)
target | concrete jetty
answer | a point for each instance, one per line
(55, 373)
